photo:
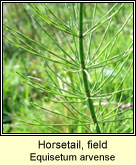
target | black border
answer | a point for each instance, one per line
(66, 134)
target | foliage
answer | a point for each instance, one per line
(76, 62)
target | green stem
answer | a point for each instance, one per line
(84, 75)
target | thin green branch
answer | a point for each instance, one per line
(84, 75)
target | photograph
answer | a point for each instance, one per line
(68, 68)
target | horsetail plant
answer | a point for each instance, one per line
(83, 69)
(79, 68)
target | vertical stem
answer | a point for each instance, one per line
(84, 75)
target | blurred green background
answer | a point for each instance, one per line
(17, 95)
